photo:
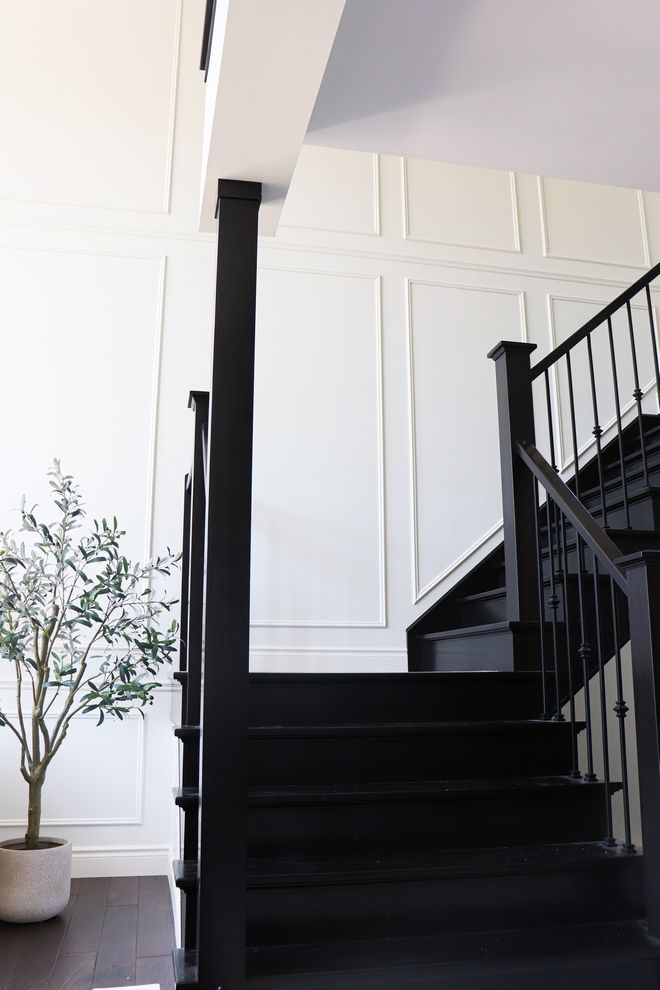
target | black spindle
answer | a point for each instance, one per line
(575, 772)
(609, 838)
(597, 430)
(638, 393)
(584, 653)
(617, 404)
(553, 602)
(539, 562)
(654, 344)
(621, 710)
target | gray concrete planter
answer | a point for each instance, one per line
(35, 884)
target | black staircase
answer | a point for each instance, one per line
(466, 824)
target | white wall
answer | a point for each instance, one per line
(378, 300)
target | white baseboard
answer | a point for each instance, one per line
(121, 861)
(324, 660)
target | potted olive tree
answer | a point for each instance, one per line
(80, 629)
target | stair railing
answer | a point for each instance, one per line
(628, 344)
(190, 661)
(625, 595)
(565, 577)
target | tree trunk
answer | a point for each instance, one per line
(34, 813)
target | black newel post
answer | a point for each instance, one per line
(515, 411)
(643, 576)
(223, 857)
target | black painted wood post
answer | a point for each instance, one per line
(643, 576)
(515, 411)
(223, 853)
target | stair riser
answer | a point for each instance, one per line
(532, 974)
(544, 750)
(610, 891)
(570, 815)
(328, 702)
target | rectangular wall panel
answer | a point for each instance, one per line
(334, 190)
(587, 222)
(459, 205)
(80, 350)
(108, 776)
(318, 526)
(94, 125)
(455, 445)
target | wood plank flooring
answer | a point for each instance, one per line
(114, 933)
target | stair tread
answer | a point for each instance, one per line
(476, 630)
(186, 873)
(364, 867)
(387, 961)
(187, 731)
(345, 729)
(186, 796)
(414, 790)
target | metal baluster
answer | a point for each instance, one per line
(609, 838)
(551, 429)
(539, 562)
(621, 710)
(615, 382)
(552, 513)
(637, 393)
(553, 602)
(597, 430)
(584, 649)
(575, 772)
(654, 344)
(571, 401)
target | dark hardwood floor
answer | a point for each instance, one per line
(115, 933)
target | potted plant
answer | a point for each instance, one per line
(79, 628)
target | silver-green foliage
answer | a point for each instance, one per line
(79, 626)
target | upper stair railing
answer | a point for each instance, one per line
(565, 574)
(607, 399)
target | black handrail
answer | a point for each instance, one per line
(595, 321)
(584, 523)
(207, 36)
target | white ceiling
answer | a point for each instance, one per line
(565, 88)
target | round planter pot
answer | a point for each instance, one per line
(35, 884)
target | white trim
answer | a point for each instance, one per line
(381, 621)
(321, 659)
(418, 591)
(163, 210)
(551, 255)
(136, 819)
(410, 238)
(376, 220)
(121, 861)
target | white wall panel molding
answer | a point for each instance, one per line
(135, 49)
(589, 218)
(444, 263)
(379, 620)
(132, 774)
(561, 411)
(466, 197)
(422, 588)
(121, 861)
(350, 192)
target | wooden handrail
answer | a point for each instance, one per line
(585, 525)
(595, 322)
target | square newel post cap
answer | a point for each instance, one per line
(238, 189)
(510, 347)
(197, 399)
